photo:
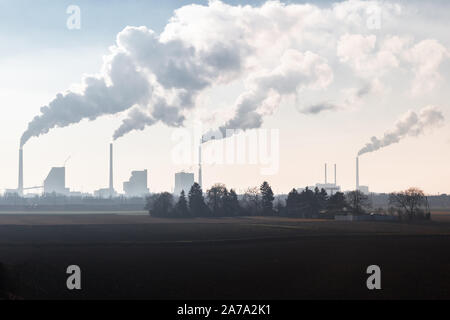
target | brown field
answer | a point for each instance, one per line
(136, 256)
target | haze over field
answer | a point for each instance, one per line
(336, 79)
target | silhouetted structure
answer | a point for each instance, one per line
(56, 181)
(108, 192)
(183, 181)
(137, 185)
(20, 185)
(330, 188)
(200, 177)
(363, 189)
(357, 173)
(111, 174)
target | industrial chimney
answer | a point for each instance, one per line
(200, 165)
(111, 181)
(335, 183)
(325, 173)
(357, 173)
(20, 186)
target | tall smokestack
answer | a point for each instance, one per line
(20, 186)
(325, 173)
(200, 165)
(111, 178)
(357, 173)
(335, 182)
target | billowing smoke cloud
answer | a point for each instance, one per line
(296, 72)
(411, 124)
(144, 71)
(137, 120)
(277, 50)
(127, 87)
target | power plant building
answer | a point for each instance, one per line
(137, 185)
(330, 188)
(183, 181)
(364, 189)
(56, 181)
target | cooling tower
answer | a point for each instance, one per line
(20, 186)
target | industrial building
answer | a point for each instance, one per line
(137, 185)
(183, 181)
(364, 189)
(56, 181)
(103, 193)
(330, 188)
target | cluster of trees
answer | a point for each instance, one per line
(312, 203)
(411, 204)
(219, 202)
(259, 201)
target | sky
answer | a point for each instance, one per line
(317, 80)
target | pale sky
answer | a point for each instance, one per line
(365, 68)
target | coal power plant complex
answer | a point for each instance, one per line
(55, 183)
(137, 184)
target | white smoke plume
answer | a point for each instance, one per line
(296, 72)
(277, 50)
(126, 88)
(410, 125)
(137, 120)
(319, 107)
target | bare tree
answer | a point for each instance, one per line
(410, 201)
(358, 201)
(216, 198)
(251, 201)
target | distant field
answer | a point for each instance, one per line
(441, 215)
(137, 256)
(109, 212)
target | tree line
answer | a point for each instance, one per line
(218, 201)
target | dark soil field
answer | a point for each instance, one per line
(139, 257)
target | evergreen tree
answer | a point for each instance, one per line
(293, 203)
(267, 198)
(197, 204)
(233, 203)
(322, 199)
(279, 208)
(231, 206)
(181, 207)
(337, 202)
(162, 205)
(307, 203)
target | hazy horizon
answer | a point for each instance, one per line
(325, 77)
